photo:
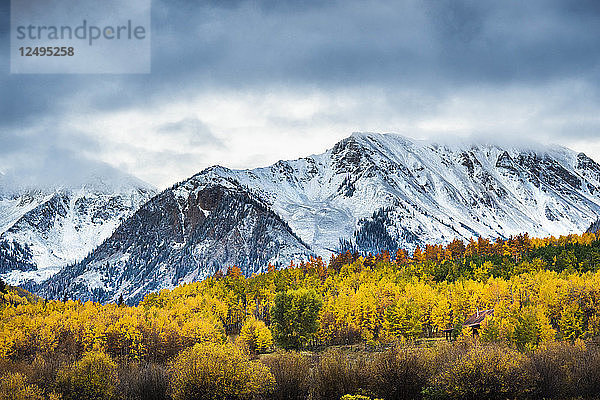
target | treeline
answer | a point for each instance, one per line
(542, 291)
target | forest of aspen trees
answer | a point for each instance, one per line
(357, 327)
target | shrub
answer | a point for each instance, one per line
(256, 336)
(292, 375)
(43, 371)
(144, 382)
(401, 373)
(490, 372)
(567, 370)
(93, 377)
(219, 371)
(444, 355)
(337, 374)
(14, 386)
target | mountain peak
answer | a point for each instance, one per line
(101, 178)
(370, 192)
(42, 229)
(365, 135)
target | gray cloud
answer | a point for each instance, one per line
(406, 62)
(191, 130)
(54, 167)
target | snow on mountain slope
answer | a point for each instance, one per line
(43, 230)
(370, 191)
(422, 192)
(14, 207)
(183, 234)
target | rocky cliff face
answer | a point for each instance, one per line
(183, 234)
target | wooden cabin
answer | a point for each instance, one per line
(474, 322)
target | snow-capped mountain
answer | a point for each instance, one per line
(371, 191)
(383, 191)
(44, 229)
(183, 234)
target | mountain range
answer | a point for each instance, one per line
(369, 192)
(46, 228)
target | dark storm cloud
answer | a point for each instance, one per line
(44, 160)
(431, 48)
(429, 45)
(352, 42)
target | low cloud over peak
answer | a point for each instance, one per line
(245, 82)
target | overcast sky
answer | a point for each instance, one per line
(246, 83)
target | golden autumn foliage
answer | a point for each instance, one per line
(14, 386)
(93, 377)
(491, 373)
(540, 289)
(356, 397)
(209, 371)
(147, 331)
(255, 336)
(292, 373)
(177, 344)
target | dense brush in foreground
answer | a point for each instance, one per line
(461, 370)
(539, 343)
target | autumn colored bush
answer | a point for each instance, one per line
(94, 377)
(292, 375)
(143, 381)
(339, 373)
(568, 370)
(255, 336)
(43, 371)
(401, 372)
(14, 386)
(457, 370)
(486, 372)
(219, 372)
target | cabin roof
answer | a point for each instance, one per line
(477, 318)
